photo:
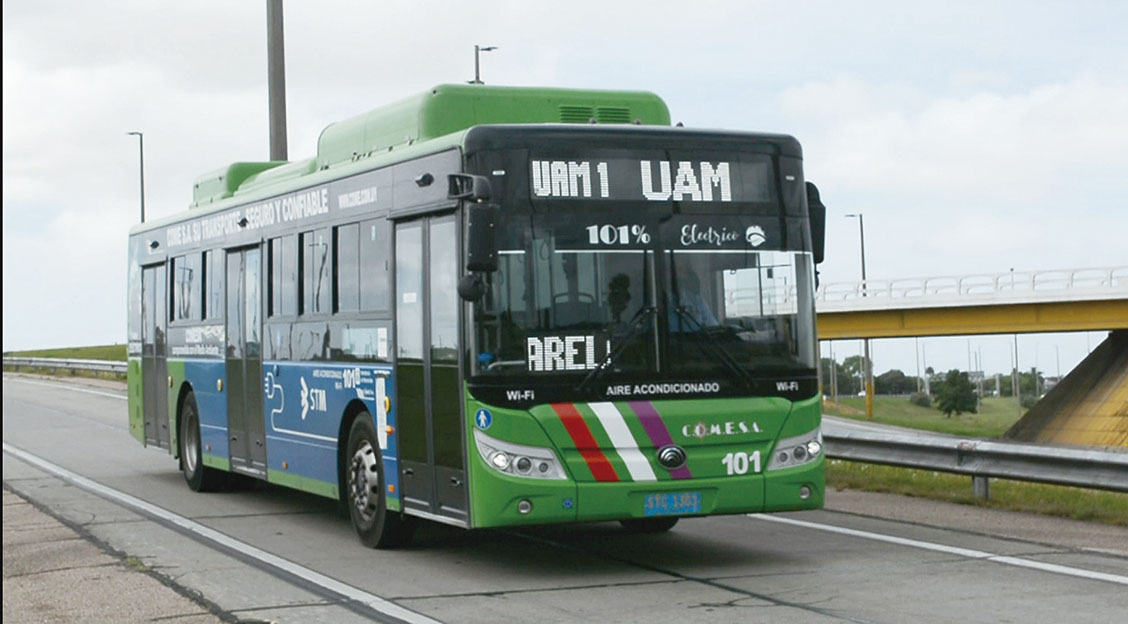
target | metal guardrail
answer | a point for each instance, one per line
(877, 444)
(103, 366)
(978, 458)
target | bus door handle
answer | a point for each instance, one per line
(455, 482)
(407, 472)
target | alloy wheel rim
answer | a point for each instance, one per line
(364, 479)
(190, 457)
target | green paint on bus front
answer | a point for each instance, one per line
(136, 405)
(495, 495)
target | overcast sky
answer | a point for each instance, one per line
(974, 136)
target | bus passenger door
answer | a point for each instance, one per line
(428, 390)
(245, 421)
(154, 358)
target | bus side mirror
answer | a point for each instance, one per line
(468, 186)
(481, 239)
(481, 249)
(816, 212)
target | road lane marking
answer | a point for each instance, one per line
(203, 533)
(952, 550)
(68, 387)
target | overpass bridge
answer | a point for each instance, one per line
(1088, 407)
(1000, 303)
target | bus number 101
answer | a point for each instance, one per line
(738, 463)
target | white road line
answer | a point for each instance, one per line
(370, 600)
(64, 386)
(953, 550)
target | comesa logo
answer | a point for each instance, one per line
(755, 235)
(702, 430)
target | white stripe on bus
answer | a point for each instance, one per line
(623, 441)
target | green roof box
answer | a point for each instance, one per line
(223, 182)
(453, 107)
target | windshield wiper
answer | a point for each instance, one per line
(636, 325)
(713, 346)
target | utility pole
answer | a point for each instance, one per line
(917, 344)
(276, 79)
(867, 364)
(1016, 377)
(141, 152)
(833, 376)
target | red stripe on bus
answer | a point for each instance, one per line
(585, 442)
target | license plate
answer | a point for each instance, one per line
(672, 504)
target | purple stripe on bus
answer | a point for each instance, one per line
(656, 428)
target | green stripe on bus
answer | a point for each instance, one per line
(305, 484)
(643, 440)
(215, 461)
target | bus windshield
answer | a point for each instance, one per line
(628, 292)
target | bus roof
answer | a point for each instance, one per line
(445, 117)
(441, 111)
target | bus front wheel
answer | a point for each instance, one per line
(375, 524)
(199, 477)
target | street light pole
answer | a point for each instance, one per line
(276, 80)
(867, 363)
(477, 65)
(141, 152)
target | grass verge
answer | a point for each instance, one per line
(100, 352)
(114, 353)
(1051, 500)
(995, 416)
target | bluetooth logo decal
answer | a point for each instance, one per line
(483, 418)
(305, 399)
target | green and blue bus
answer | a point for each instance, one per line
(493, 306)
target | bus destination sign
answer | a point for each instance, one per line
(646, 179)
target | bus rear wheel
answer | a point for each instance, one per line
(649, 525)
(199, 477)
(375, 524)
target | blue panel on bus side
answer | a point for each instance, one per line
(303, 404)
(203, 376)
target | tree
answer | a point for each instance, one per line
(956, 394)
(847, 385)
(894, 382)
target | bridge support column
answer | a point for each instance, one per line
(979, 487)
(867, 366)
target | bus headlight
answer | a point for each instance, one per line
(517, 459)
(797, 451)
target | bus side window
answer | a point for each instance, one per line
(274, 277)
(213, 284)
(282, 285)
(186, 280)
(289, 275)
(346, 268)
(374, 243)
(315, 269)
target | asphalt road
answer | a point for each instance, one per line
(269, 554)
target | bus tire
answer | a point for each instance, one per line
(199, 477)
(649, 525)
(376, 526)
